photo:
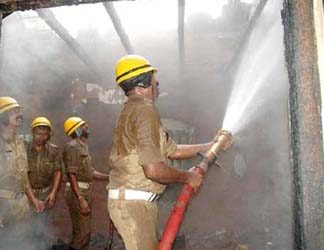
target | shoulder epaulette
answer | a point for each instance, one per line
(52, 145)
(72, 143)
(26, 138)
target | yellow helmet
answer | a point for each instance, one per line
(130, 66)
(7, 103)
(72, 124)
(41, 121)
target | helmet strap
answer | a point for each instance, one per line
(4, 119)
(78, 132)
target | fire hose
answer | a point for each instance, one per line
(222, 141)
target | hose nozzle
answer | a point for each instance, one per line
(224, 138)
(222, 141)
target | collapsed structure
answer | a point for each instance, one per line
(259, 197)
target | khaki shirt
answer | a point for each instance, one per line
(140, 139)
(13, 164)
(78, 161)
(43, 165)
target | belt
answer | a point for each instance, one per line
(41, 190)
(11, 195)
(130, 194)
(82, 185)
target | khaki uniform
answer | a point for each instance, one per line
(42, 167)
(14, 207)
(139, 140)
(78, 161)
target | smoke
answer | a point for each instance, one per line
(48, 78)
(32, 233)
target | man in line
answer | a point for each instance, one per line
(45, 174)
(14, 184)
(141, 147)
(80, 174)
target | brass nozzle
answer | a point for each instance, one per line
(224, 138)
(222, 141)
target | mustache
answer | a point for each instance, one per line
(40, 143)
(19, 117)
(85, 134)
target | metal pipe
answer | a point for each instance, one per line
(222, 141)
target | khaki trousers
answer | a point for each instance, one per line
(81, 225)
(136, 222)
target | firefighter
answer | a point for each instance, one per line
(14, 184)
(45, 175)
(80, 174)
(139, 171)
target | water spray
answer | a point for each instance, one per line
(222, 141)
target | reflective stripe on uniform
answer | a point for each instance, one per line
(130, 194)
(6, 194)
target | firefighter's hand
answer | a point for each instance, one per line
(50, 200)
(39, 206)
(195, 179)
(85, 208)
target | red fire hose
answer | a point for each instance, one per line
(176, 217)
(222, 140)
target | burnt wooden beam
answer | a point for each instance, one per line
(48, 16)
(9, 6)
(305, 123)
(119, 28)
(29, 49)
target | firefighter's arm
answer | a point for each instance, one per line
(51, 198)
(188, 151)
(72, 164)
(57, 181)
(85, 208)
(38, 204)
(58, 161)
(147, 136)
(100, 176)
(164, 174)
(74, 185)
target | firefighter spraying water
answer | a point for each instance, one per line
(140, 172)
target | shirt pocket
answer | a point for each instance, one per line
(85, 163)
(12, 163)
(48, 167)
(10, 156)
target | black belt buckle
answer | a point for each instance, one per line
(155, 197)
